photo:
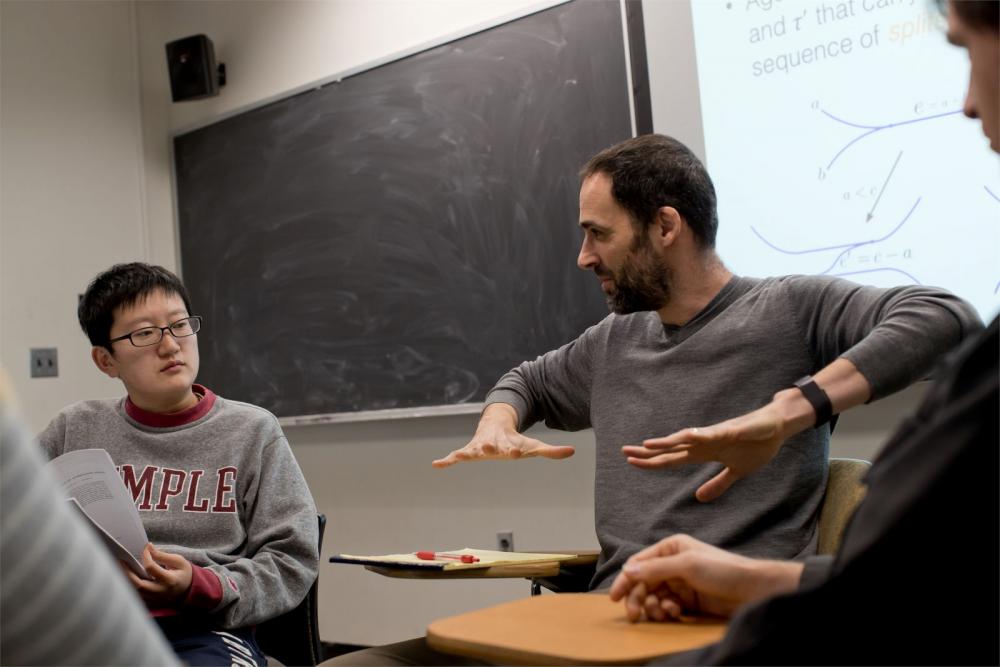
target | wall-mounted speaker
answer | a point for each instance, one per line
(193, 71)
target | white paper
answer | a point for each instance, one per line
(91, 483)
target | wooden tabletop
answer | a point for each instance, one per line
(509, 571)
(566, 629)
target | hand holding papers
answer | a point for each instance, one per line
(91, 483)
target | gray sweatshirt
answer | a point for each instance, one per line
(216, 484)
(630, 377)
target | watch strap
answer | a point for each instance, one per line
(817, 399)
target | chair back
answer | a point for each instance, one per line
(293, 638)
(844, 490)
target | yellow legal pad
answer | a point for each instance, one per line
(486, 559)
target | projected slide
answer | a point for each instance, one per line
(835, 137)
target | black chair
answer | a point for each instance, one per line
(571, 579)
(293, 637)
(574, 575)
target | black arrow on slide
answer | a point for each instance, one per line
(872, 212)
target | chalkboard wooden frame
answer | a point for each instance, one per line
(207, 277)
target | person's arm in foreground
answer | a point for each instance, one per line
(681, 574)
(64, 600)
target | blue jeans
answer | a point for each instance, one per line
(198, 644)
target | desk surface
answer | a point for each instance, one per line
(566, 629)
(508, 571)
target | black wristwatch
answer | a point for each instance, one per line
(817, 398)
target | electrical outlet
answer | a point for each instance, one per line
(505, 541)
(44, 362)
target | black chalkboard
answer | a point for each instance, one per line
(404, 236)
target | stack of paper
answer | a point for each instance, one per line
(93, 486)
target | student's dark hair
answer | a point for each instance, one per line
(122, 286)
(653, 170)
(977, 14)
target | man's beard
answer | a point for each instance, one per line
(642, 283)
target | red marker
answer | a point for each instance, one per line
(433, 555)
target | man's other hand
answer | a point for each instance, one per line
(743, 444)
(747, 443)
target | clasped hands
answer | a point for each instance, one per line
(680, 575)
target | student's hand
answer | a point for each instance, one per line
(497, 438)
(171, 576)
(680, 574)
(743, 445)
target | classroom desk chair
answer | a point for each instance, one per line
(293, 637)
(844, 490)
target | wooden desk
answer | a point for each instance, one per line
(566, 629)
(510, 571)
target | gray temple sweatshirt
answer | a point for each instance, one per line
(217, 484)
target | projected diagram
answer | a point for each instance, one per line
(843, 262)
(874, 251)
(858, 163)
(872, 129)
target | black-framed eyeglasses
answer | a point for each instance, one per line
(147, 336)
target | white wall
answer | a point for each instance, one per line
(83, 184)
(70, 193)
(673, 72)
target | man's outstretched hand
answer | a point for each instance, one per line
(497, 438)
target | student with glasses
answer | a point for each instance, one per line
(146, 336)
(231, 521)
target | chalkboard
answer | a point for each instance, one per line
(402, 237)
